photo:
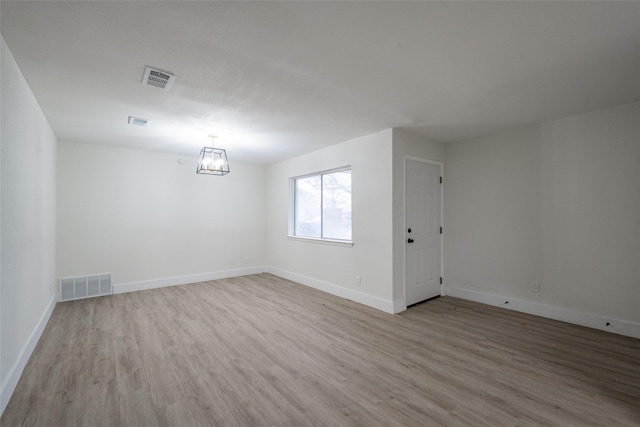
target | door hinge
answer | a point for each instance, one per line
(441, 280)
(440, 180)
(440, 230)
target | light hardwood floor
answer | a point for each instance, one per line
(260, 350)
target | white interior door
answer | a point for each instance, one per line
(422, 236)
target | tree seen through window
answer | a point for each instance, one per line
(323, 206)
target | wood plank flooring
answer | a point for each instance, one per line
(263, 351)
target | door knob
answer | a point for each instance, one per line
(409, 231)
(410, 241)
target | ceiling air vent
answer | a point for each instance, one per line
(138, 121)
(156, 78)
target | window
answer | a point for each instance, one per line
(322, 205)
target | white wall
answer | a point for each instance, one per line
(405, 144)
(147, 218)
(334, 268)
(28, 197)
(557, 203)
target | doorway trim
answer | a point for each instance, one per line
(404, 222)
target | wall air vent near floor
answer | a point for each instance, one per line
(71, 288)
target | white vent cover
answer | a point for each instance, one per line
(156, 78)
(138, 121)
(71, 288)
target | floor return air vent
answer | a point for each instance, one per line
(71, 288)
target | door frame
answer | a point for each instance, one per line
(404, 221)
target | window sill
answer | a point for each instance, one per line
(343, 243)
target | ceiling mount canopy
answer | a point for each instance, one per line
(213, 161)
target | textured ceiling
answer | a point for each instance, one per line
(278, 79)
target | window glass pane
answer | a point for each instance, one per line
(336, 205)
(308, 202)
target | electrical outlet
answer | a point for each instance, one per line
(358, 281)
(535, 286)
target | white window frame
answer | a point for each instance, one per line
(292, 212)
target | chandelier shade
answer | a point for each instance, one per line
(213, 161)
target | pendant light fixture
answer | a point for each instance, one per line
(213, 161)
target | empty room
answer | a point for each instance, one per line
(335, 213)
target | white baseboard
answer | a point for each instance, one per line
(184, 280)
(359, 297)
(616, 326)
(10, 383)
(399, 306)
